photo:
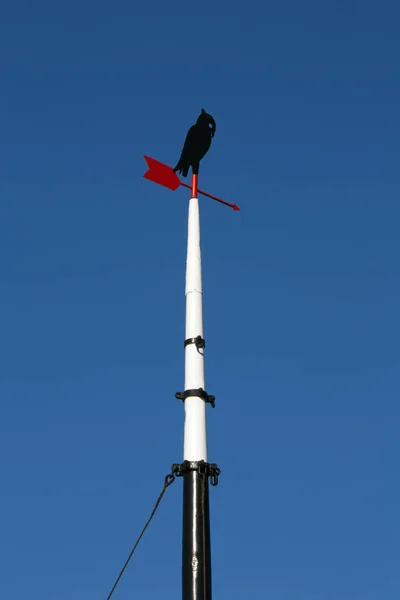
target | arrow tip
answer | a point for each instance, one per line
(235, 207)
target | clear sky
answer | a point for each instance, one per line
(301, 295)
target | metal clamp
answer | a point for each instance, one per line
(198, 341)
(199, 393)
(205, 469)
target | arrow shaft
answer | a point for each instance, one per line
(208, 195)
(165, 175)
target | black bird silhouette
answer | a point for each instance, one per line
(197, 144)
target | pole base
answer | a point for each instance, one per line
(196, 546)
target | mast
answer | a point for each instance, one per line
(195, 470)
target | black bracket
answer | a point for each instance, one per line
(199, 393)
(198, 341)
(205, 469)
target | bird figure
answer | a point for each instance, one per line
(197, 144)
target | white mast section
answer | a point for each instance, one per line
(195, 442)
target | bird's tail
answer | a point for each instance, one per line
(182, 169)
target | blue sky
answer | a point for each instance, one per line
(301, 295)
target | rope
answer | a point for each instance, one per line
(169, 479)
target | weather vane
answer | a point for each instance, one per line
(195, 470)
(196, 146)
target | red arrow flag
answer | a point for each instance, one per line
(165, 175)
(162, 174)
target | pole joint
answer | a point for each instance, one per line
(199, 393)
(206, 470)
